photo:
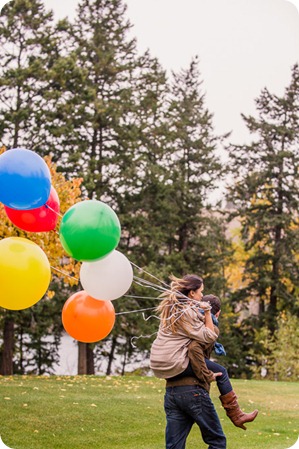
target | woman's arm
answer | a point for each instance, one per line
(208, 320)
(197, 329)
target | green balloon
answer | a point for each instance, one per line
(89, 230)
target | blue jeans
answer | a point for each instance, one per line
(223, 382)
(185, 406)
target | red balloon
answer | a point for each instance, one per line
(42, 219)
(87, 319)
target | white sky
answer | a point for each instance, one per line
(243, 46)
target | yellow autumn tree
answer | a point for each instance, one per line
(234, 270)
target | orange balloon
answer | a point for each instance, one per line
(87, 319)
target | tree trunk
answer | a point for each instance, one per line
(272, 310)
(6, 367)
(90, 359)
(21, 368)
(124, 360)
(82, 358)
(85, 358)
(111, 356)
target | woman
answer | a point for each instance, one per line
(186, 400)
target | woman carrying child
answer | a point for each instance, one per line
(181, 324)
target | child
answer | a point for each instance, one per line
(199, 355)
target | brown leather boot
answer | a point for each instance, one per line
(233, 411)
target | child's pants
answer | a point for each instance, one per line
(223, 382)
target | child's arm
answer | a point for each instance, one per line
(197, 360)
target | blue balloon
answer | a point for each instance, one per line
(25, 179)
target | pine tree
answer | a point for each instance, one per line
(195, 234)
(266, 197)
(92, 117)
(139, 197)
(27, 50)
(141, 190)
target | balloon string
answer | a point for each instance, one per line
(149, 284)
(146, 272)
(145, 284)
(140, 336)
(142, 282)
(64, 273)
(126, 296)
(135, 311)
(149, 317)
(55, 212)
(179, 313)
(142, 297)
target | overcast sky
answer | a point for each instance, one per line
(242, 45)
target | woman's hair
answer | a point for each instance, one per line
(172, 307)
(214, 301)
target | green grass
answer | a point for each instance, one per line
(89, 412)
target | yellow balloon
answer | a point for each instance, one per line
(25, 273)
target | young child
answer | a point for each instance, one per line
(205, 369)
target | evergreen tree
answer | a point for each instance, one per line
(92, 117)
(27, 50)
(38, 332)
(195, 237)
(139, 203)
(140, 192)
(266, 197)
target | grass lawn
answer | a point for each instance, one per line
(90, 412)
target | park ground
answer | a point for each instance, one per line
(92, 412)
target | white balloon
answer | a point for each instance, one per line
(108, 278)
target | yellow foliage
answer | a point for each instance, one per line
(50, 294)
(235, 269)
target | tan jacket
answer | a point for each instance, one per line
(169, 351)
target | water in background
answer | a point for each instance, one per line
(68, 360)
(68, 357)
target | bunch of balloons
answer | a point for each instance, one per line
(25, 186)
(89, 232)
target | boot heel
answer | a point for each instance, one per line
(233, 411)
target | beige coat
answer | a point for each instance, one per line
(169, 351)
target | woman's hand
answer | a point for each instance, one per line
(204, 305)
